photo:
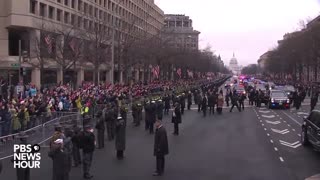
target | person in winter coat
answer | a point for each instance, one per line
(100, 129)
(76, 138)
(220, 102)
(60, 161)
(161, 147)
(22, 173)
(176, 118)
(234, 101)
(189, 100)
(204, 104)
(120, 137)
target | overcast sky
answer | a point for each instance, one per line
(247, 27)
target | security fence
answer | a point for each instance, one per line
(39, 134)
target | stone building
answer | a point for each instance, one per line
(179, 32)
(234, 66)
(22, 21)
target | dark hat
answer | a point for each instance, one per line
(22, 135)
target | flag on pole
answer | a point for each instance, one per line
(156, 71)
(48, 40)
(179, 72)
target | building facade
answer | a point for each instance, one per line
(28, 22)
(179, 32)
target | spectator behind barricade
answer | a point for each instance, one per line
(16, 125)
(33, 91)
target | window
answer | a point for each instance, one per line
(51, 12)
(66, 2)
(96, 12)
(79, 5)
(85, 24)
(33, 6)
(59, 14)
(79, 22)
(73, 4)
(59, 1)
(90, 10)
(100, 14)
(43, 9)
(100, 2)
(66, 17)
(73, 19)
(105, 3)
(90, 25)
(85, 9)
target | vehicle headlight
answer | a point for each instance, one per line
(288, 100)
(272, 100)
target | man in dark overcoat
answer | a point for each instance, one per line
(161, 148)
(100, 129)
(120, 137)
(60, 161)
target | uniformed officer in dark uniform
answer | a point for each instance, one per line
(153, 115)
(123, 112)
(204, 105)
(189, 100)
(109, 118)
(199, 101)
(166, 104)
(120, 137)
(88, 146)
(161, 147)
(176, 118)
(147, 108)
(211, 102)
(160, 109)
(76, 138)
(182, 102)
(100, 129)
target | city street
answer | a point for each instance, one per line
(254, 144)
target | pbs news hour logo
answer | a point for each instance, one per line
(26, 156)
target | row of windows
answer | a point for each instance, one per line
(93, 11)
(82, 22)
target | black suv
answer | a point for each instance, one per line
(278, 99)
(310, 133)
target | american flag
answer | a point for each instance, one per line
(156, 71)
(48, 39)
(190, 73)
(179, 72)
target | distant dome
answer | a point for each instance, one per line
(234, 60)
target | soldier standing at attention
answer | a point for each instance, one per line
(120, 137)
(88, 141)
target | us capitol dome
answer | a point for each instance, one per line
(233, 65)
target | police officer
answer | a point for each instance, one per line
(166, 104)
(147, 109)
(241, 101)
(110, 121)
(199, 101)
(120, 138)
(139, 114)
(210, 102)
(100, 129)
(76, 139)
(160, 109)
(182, 102)
(204, 104)
(134, 109)
(189, 100)
(152, 119)
(88, 146)
(176, 118)
(314, 98)
(123, 113)
(234, 101)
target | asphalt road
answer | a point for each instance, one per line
(256, 144)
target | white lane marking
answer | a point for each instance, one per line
(293, 130)
(271, 141)
(289, 125)
(273, 122)
(292, 145)
(271, 116)
(299, 135)
(277, 115)
(302, 113)
(268, 134)
(265, 129)
(291, 118)
(280, 118)
(264, 111)
(281, 159)
(285, 121)
(285, 131)
(276, 149)
(262, 124)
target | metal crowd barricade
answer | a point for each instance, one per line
(37, 135)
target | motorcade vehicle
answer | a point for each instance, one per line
(278, 99)
(240, 89)
(310, 130)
